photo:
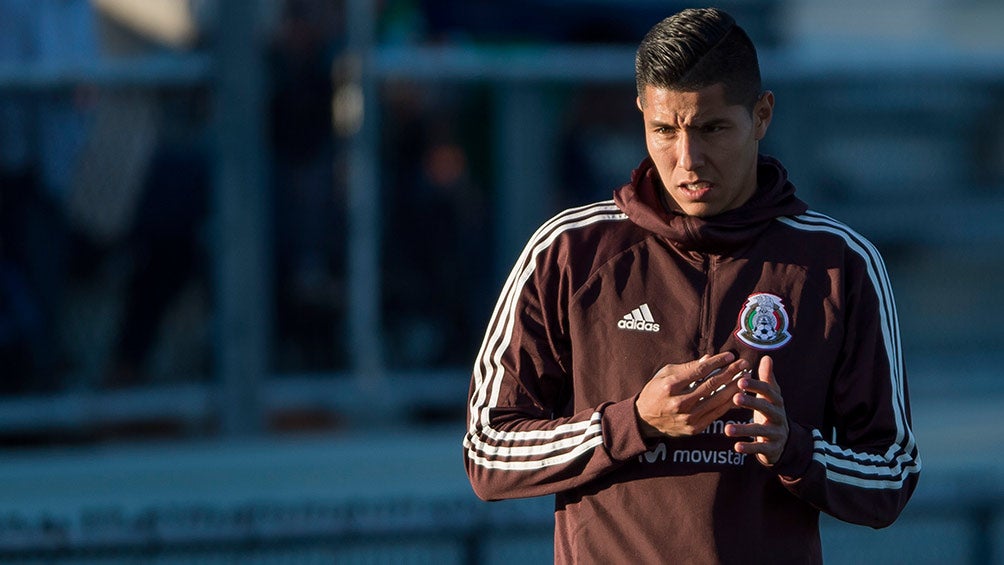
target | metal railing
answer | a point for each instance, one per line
(457, 531)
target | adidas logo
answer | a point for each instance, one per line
(639, 319)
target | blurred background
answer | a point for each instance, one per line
(248, 250)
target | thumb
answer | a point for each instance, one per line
(766, 370)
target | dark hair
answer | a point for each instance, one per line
(695, 49)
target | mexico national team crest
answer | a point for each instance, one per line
(763, 323)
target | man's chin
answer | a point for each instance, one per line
(699, 210)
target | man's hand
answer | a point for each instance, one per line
(682, 400)
(769, 430)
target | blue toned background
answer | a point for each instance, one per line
(247, 251)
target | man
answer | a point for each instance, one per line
(700, 366)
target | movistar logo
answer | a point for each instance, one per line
(639, 319)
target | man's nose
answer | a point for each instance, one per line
(690, 154)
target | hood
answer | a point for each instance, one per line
(774, 197)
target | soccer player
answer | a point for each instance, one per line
(701, 365)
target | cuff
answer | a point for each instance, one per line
(797, 454)
(621, 434)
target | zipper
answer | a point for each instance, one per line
(710, 264)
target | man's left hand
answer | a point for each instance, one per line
(769, 429)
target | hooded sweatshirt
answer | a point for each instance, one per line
(605, 295)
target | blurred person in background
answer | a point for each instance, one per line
(142, 189)
(429, 303)
(699, 367)
(42, 135)
(308, 187)
(100, 205)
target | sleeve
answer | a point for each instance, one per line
(865, 469)
(519, 441)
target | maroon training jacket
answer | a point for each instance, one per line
(604, 295)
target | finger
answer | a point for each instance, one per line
(756, 445)
(757, 435)
(767, 385)
(709, 364)
(758, 431)
(725, 381)
(718, 371)
(755, 387)
(767, 452)
(698, 371)
(710, 408)
(714, 396)
(757, 390)
(706, 412)
(768, 407)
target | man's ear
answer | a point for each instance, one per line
(639, 103)
(763, 112)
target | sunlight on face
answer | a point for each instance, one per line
(704, 148)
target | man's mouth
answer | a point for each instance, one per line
(695, 189)
(695, 186)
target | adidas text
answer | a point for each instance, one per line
(638, 325)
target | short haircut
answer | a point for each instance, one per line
(698, 48)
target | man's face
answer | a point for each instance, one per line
(704, 148)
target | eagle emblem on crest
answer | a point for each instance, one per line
(763, 323)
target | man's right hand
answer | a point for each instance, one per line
(670, 405)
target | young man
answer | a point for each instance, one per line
(701, 365)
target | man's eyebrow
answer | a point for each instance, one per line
(697, 124)
(661, 123)
(717, 121)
